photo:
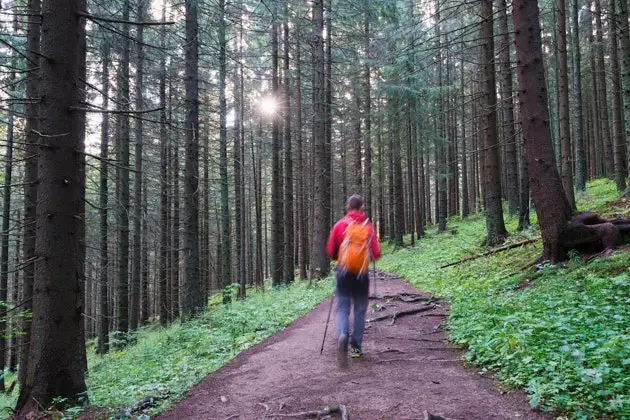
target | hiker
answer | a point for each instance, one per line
(353, 244)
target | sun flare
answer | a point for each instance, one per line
(268, 105)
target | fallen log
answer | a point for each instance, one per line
(399, 314)
(492, 252)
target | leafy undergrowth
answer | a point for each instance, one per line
(166, 362)
(562, 333)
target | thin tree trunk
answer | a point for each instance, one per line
(103, 319)
(191, 299)
(30, 176)
(226, 257)
(123, 180)
(619, 138)
(6, 214)
(603, 95)
(163, 307)
(137, 209)
(494, 211)
(289, 239)
(566, 164)
(301, 172)
(509, 132)
(624, 38)
(321, 191)
(580, 167)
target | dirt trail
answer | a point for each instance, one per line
(407, 368)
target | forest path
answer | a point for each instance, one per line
(407, 367)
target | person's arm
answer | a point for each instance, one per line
(375, 246)
(332, 247)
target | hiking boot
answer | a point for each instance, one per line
(342, 350)
(355, 352)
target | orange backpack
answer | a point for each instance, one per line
(354, 249)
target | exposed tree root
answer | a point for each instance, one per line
(399, 314)
(326, 411)
(407, 297)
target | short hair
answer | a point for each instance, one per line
(354, 202)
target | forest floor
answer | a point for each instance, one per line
(408, 367)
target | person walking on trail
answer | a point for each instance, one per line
(353, 243)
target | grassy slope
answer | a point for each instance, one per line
(167, 362)
(565, 337)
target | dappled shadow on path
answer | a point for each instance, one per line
(408, 368)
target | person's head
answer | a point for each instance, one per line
(354, 203)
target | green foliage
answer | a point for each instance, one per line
(562, 332)
(166, 362)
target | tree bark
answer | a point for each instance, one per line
(134, 313)
(321, 192)
(602, 91)
(618, 134)
(494, 211)
(191, 300)
(553, 209)
(103, 318)
(53, 370)
(226, 243)
(123, 180)
(580, 166)
(164, 202)
(289, 237)
(30, 176)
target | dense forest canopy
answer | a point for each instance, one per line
(158, 151)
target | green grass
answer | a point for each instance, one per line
(562, 332)
(166, 362)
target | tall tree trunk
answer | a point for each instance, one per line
(191, 302)
(30, 176)
(465, 196)
(277, 231)
(321, 191)
(603, 95)
(226, 243)
(553, 209)
(494, 211)
(624, 38)
(580, 167)
(137, 209)
(123, 180)
(509, 132)
(492, 185)
(103, 318)
(302, 174)
(289, 240)
(239, 190)
(175, 292)
(163, 307)
(6, 215)
(619, 138)
(595, 143)
(53, 370)
(440, 153)
(367, 86)
(566, 163)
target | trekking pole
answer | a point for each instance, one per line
(321, 351)
(374, 269)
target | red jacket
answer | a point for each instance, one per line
(337, 232)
